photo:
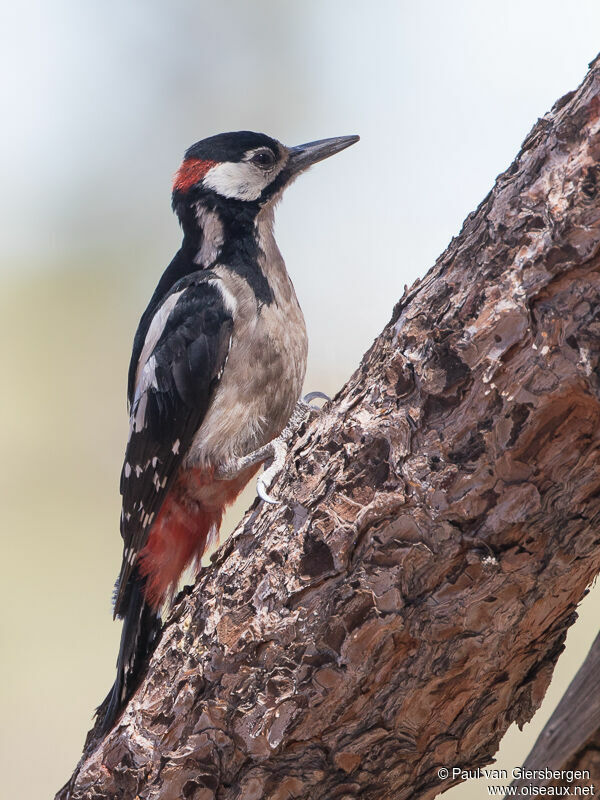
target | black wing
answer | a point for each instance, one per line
(178, 367)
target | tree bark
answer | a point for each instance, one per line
(570, 740)
(409, 597)
(586, 758)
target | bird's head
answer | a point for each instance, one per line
(245, 167)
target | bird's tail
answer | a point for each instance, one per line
(141, 626)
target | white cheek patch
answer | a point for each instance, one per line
(238, 179)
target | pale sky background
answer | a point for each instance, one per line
(99, 102)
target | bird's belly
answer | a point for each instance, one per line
(259, 388)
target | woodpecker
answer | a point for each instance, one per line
(216, 371)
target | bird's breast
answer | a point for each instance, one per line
(263, 375)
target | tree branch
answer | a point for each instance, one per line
(409, 598)
(570, 739)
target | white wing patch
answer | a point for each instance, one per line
(229, 300)
(145, 374)
(153, 468)
(157, 326)
(138, 419)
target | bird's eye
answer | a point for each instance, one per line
(264, 158)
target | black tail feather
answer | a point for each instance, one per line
(141, 627)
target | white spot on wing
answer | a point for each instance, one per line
(147, 519)
(176, 445)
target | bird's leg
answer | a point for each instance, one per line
(280, 449)
(274, 451)
(280, 445)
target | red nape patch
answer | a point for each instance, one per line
(191, 172)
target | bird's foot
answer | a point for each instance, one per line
(281, 444)
(274, 452)
(270, 472)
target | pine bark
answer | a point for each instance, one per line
(570, 740)
(409, 597)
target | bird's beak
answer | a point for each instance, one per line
(305, 155)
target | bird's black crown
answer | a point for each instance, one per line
(230, 146)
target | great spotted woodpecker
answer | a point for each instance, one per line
(216, 371)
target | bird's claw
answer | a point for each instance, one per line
(279, 449)
(261, 491)
(308, 398)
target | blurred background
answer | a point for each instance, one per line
(99, 101)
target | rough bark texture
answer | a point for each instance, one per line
(587, 758)
(409, 598)
(570, 739)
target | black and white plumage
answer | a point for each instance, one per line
(216, 371)
(186, 345)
